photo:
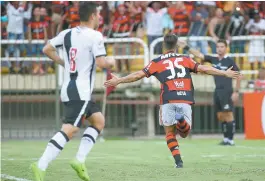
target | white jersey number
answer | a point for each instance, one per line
(172, 66)
(72, 54)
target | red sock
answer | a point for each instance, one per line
(183, 128)
(173, 146)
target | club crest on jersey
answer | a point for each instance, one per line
(179, 84)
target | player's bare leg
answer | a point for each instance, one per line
(53, 149)
(173, 145)
(88, 140)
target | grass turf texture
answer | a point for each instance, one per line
(149, 160)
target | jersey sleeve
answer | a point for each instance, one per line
(59, 39)
(150, 69)
(98, 46)
(192, 65)
(208, 58)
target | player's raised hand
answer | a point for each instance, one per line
(232, 74)
(114, 81)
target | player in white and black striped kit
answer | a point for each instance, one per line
(83, 49)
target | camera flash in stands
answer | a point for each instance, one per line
(238, 8)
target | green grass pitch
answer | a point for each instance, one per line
(143, 160)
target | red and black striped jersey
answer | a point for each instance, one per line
(174, 73)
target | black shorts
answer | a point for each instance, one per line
(223, 101)
(75, 111)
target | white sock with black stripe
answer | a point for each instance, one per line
(53, 149)
(87, 142)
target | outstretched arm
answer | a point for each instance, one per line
(213, 71)
(196, 53)
(127, 79)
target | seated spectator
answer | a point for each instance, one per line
(256, 27)
(37, 30)
(16, 15)
(72, 15)
(199, 19)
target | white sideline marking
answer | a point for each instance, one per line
(212, 156)
(13, 178)
(248, 147)
(236, 156)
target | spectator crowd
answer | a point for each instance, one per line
(43, 20)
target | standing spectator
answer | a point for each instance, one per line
(137, 15)
(104, 21)
(256, 27)
(199, 19)
(189, 6)
(37, 30)
(44, 15)
(121, 29)
(237, 28)
(16, 15)
(4, 22)
(180, 17)
(72, 15)
(153, 17)
(167, 23)
(216, 28)
(58, 8)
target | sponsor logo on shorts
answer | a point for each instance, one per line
(181, 93)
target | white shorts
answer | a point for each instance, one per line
(168, 112)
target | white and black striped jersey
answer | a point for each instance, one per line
(81, 46)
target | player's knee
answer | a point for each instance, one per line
(97, 120)
(100, 124)
(69, 130)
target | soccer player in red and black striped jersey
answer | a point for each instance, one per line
(174, 73)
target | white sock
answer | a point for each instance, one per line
(53, 149)
(87, 142)
(225, 140)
